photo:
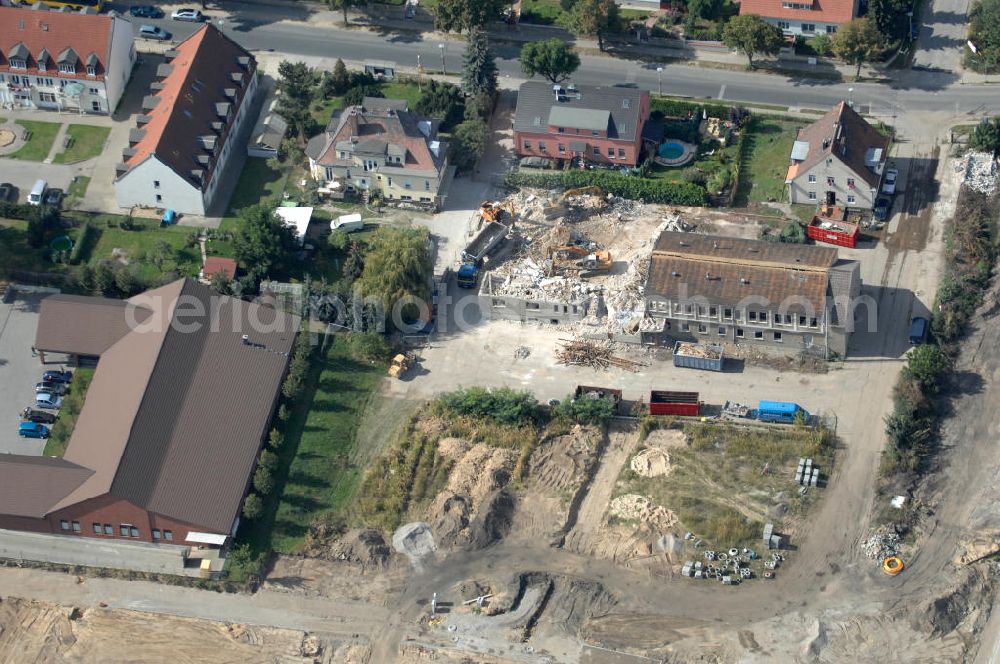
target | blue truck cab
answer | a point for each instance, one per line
(780, 411)
(918, 331)
(467, 275)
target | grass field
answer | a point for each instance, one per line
(320, 466)
(76, 191)
(43, 134)
(139, 247)
(72, 405)
(725, 482)
(258, 183)
(88, 142)
(767, 147)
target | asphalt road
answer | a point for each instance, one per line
(283, 30)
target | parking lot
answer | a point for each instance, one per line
(19, 371)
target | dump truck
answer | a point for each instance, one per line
(400, 364)
(674, 403)
(698, 356)
(486, 241)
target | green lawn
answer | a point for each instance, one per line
(139, 245)
(88, 142)
(549, 12)
(72, 405)
(767, 147)
(319, 469)
(258, 183)
(77, 190)
(43, 134)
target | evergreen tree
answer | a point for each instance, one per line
(480, 69)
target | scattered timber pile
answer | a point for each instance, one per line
(580, 352)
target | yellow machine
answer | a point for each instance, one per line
(400, 364)
(574, 259)
(493, 210)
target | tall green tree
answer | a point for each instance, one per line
(553, 59)
(890, 17)
(397, 267)
(463, 15)
(468, 143)
(441, 100)
(263, 241)
(297, 83)
(706, 9)
(751, 34)
(479, 71)
(594, 18)
(857, 42)
(986, 135)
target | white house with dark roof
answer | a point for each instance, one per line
(63, 60)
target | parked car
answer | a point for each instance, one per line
(48, 387)
(32, 430)
(8, 192)
(889, 182)
(882, 208)
(46, 400)
(58, 376)
(153, 32)
(192, 15)
(29, 414)
(53, 197)
(918, 330)
(535, 162)
(146, 11)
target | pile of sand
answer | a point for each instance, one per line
(634, 507)
(453, 448)
(480, 470)
(652, 462)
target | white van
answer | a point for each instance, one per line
(37, 192)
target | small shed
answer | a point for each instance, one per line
(381, 69)
(215, 264)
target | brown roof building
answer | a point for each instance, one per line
(382, 146)
(185, 137)
(837, 160)
(63, 59)
(166, 442)
(730, 290)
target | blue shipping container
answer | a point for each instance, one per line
(780, 411)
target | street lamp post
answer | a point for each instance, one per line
(444, 70)
(659, 80)
(909, 15)
(850, 97)
(420, 72)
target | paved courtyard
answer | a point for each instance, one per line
(19, 371)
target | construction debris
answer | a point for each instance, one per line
(882, 543)
(979, 172)
(597, 355)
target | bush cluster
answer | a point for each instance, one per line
(613, 182)
(502, 405)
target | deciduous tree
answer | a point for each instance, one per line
(263, 241)
(253, 506)
(857, 42)
(552, 59)
(594, 18)
(462, 15)
(397, 267)
(468, 142)
(441, 100)
(751, 34)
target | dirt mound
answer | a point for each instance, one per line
(945, 613)
(634, 507)
(563, 461)
(453, 448)
(492, 521)
(665, 439)
(449, 516)
(431, 425)
(367, 547)
(481, 470)
(414, 540)
(652, 462)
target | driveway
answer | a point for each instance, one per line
(23, 174)
(19, 371)
(942, 37)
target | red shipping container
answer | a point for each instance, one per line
(674, 403)
(834, 229)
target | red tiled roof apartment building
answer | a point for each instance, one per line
(63, 60)
(803, 17)
(185, 136)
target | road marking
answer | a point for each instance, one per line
(722, 92)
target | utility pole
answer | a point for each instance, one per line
(659, 80)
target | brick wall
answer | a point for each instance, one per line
(109, 510)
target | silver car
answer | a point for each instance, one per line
(49, 401)
(192, 15)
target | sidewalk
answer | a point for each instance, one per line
(391, 18)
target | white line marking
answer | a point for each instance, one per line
(722, 93)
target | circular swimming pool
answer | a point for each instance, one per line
(61, 243)
(671, 150)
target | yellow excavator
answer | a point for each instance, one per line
(576, 260)
(493, 210)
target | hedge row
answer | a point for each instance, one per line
(675, 108)
(10, 210)
(626, 186)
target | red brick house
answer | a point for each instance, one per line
(803, 17)
(166, 442)
(598, 125)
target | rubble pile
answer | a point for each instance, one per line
(881, 543)
(674, 223)
(598, 355)
(980, 172)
